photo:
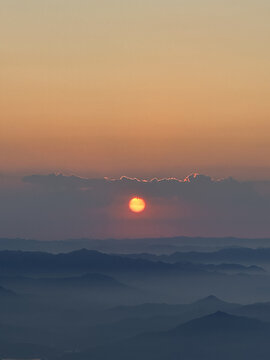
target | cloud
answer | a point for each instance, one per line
(60, 206)
(195, 187)
(61, 181)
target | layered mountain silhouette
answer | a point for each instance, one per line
(88, 304)
(226, 255)
(215, 336)
(259, 311)
(81, 260)
(126, 321)
(94, 261)
(91, 280)
(166, 245)
(210, 303)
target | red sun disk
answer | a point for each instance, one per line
(137, 204)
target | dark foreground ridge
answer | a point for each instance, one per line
(88, 304)
(216, 336)
(94, 261)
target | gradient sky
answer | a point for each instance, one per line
(138, 87)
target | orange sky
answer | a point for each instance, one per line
(140, 88)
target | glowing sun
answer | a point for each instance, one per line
(137, 205)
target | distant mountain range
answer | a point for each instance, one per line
(208, 304)
(208, 328)
(89, 304)
(216, 336)
(228, 255)
(86, 281)
(80, 260)
(83, 261)
(259, 311)
(127, 321)
(148, 245)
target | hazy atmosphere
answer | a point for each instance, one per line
(56, 206)
(134, 180)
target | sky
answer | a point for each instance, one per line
(58, 207)
(138, 88)
(142, 89)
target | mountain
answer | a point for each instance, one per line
(220, 323)
(216, 336)
(259, 311)
(80, 261)
(230, 255)
(210, 303)
(224, 268)
(83, 261)
(87, 281)
(167, 245)
(126, 321)
(91, 280)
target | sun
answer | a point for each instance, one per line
(137, 204)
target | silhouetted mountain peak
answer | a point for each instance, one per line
(211, 299)
(219, 322)
(220, 315)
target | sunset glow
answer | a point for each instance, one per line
(135, 179)
(137, 205)
(134, 79)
